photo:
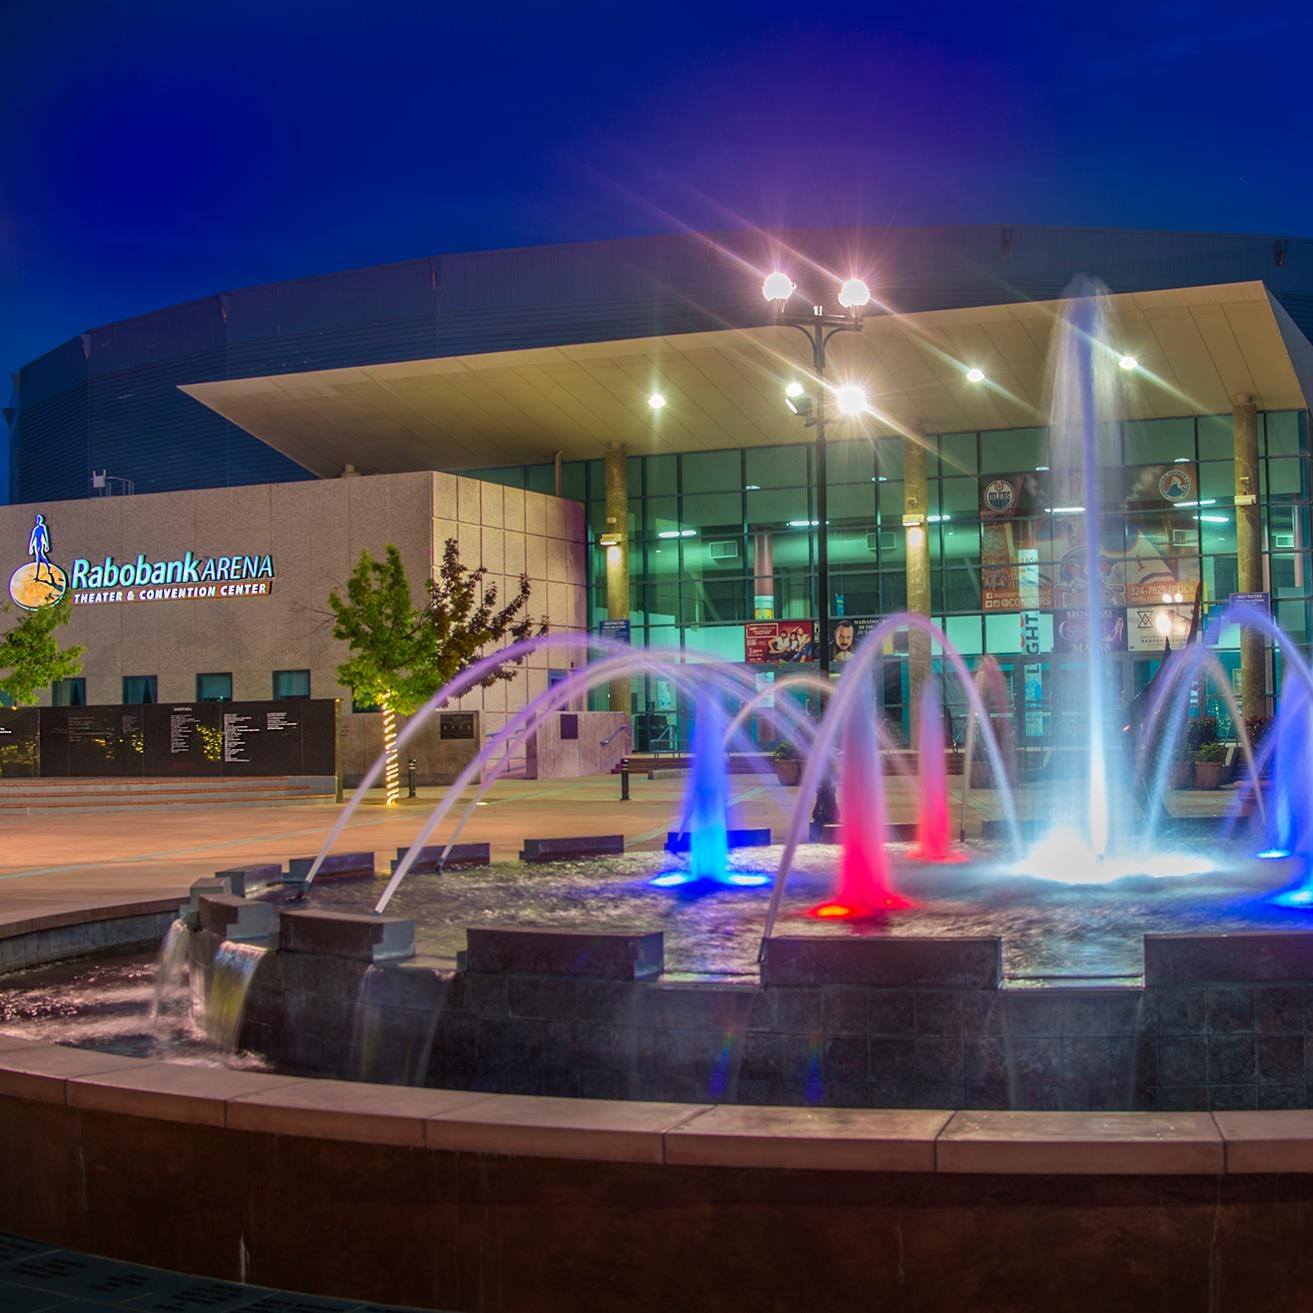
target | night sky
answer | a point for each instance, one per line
(153, 152)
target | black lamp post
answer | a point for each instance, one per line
(819, 325)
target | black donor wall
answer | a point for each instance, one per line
(203, 738)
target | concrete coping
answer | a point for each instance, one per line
(671, 1134)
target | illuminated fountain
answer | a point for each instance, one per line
(865, 890)
(933, 843)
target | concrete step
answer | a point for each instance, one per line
(157, 784)
(155, 805)
(26, 796)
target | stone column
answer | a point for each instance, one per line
(916, 505)
(616, 533)
(1249, 552)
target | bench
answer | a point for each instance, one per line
(337, 866)
(428, 861)
(678, 841)
(560, 850)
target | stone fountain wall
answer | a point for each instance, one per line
(812, 1033)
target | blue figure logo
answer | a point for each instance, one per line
(38, 547)
(40, 582)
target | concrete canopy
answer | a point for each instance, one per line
(1197, 348)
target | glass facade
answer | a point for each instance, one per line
(721, 539)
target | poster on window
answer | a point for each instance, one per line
(1034, 555)
(846, 635)
(778, 642)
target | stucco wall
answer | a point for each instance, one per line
(315, 532)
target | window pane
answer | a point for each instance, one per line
(1152, 440)
(69, 692)
(661, 474)
(1282, 433)
(289, 684)
(722, 510)
(773, 467)
(1216, 437)
(778, 508)
(957, 453)
(139, 690)
(1217, 480)
(852, 501)
(849, 462)
(214, 688)
(711, 471)
(1009, 450)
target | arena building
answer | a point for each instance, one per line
(637, 389)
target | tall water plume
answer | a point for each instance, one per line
(1086, 606)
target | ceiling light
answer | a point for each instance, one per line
(778, 286)
(975, 375)
(656, 401)
(1128, 363)
(752, 487)
(794, 389)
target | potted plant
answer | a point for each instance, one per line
(788, 764)
(1209, 763)
(1182, 772)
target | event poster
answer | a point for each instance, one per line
(776, 642)
(846, 635)
(1034, 555)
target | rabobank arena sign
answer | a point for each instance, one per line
(181, 579)
(97, 581)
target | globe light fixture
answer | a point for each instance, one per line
(975, 375)
(656, 401)
(794, 389)
(1128, 363)
(850, 399)
(778, 286)
(854, 294)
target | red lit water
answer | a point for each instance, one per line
(865, 886)
(933, 841)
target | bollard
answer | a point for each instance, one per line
(624, 780)
(410, 778)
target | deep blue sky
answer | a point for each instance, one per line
(151, 152)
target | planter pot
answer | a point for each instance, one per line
(1182, 776)
(1208, 774)
(789, 772)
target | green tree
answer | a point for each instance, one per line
(403, 653)
(30, 653)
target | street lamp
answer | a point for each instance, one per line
(819, 326)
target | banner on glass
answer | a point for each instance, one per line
(778, 642)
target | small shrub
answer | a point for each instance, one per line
(1201, 730)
